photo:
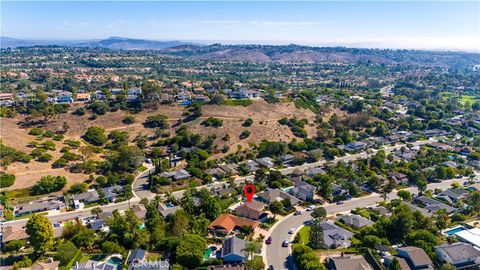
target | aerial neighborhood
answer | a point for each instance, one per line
(111, 160)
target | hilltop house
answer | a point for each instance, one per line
(176, 175)
(48, 203)
(64, 97)
(90, 196)
(265, 162)
(6, 99)
(134, 94)
(356, 221)
(83, 97)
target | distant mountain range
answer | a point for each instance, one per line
(265, 53)
(116, 43)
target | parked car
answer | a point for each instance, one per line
(268, 241)
(270, 267)
(285, 243)
(298, 212)
(340, 202)
(291, 231)
(311, 207)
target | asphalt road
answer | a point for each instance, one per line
(280, 257)
(140, 190)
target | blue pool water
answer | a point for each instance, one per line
(169, 205)
(116, 262)
(454, 231)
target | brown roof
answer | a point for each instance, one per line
(252, 209)
(417, 255)
(13, 233)
(227, 222)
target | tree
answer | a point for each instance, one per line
(109, 247)
(190, 250)
(96, 136)
(6, 180)
(405, 195)
(316, 235)
(276, 207)
(78, 188)
(179, 223)
(40, 232)
(96, 211)
(66, 251)
(252, 248)
(394, 265)
(319, 213)
(48, 184)
(14, 245)
(248, 122)
(127, 158)
(157, 121)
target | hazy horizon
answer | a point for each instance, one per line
(426, 25)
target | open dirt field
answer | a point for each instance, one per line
(265, 126)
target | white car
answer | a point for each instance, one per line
(285, 243)
(311, 207)
(291, 231)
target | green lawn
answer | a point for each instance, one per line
(238, 102)
(303, 236)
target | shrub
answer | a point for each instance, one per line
(245, 134)
(65, 149)
(79, 111)
(129, 119)
(45, 157)
(248, 122)
(6, 180)
(35, 131)
(212, 122)
(72, 143)
(14, 245)
(48, 134)
(78, 188)
(66, 251)
(37, 152)
(48, 145)
(58, 137)
(59, 163)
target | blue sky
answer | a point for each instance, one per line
(405, 24)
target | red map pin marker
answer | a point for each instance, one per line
(249, 191)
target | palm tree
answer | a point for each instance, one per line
(252, 248)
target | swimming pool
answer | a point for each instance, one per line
(454, 231)
(115, 262)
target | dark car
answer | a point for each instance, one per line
(285, 243)
(268, 241)
(298, 212)
(340, 202)
(270, 267)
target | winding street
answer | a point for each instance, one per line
(280, 257)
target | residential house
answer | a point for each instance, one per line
(287, 158)
(136, 255)
(202, 98)
(6, 99)
(227, 223)
(271, 195)
(99, 225)
(230, 169)
(335, 236)
(338, 190)
(407, 155)
(140, 210)
(83, 97)
(453, 195)
(168, 209)
(398, 178)
(216, 172)
(50, 264)
(90, 196)
(176, 175)
(134, 94)
(315, 171)
(252, 166)
(64, 97)
(99, 95)
(416, 258)
(110, 193)
(460, 255)
(356, 221)
(303, 191)
(45, 204)
(403, 263)
(184, 96)
(440, 146)
(252, 210)
(435, 132)
(350, 262)
(233, 250)
(433, 205)
(109, 263)
(355, 146)
(225, 192)
(471, 236)
(241, 93)
(265, 162)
